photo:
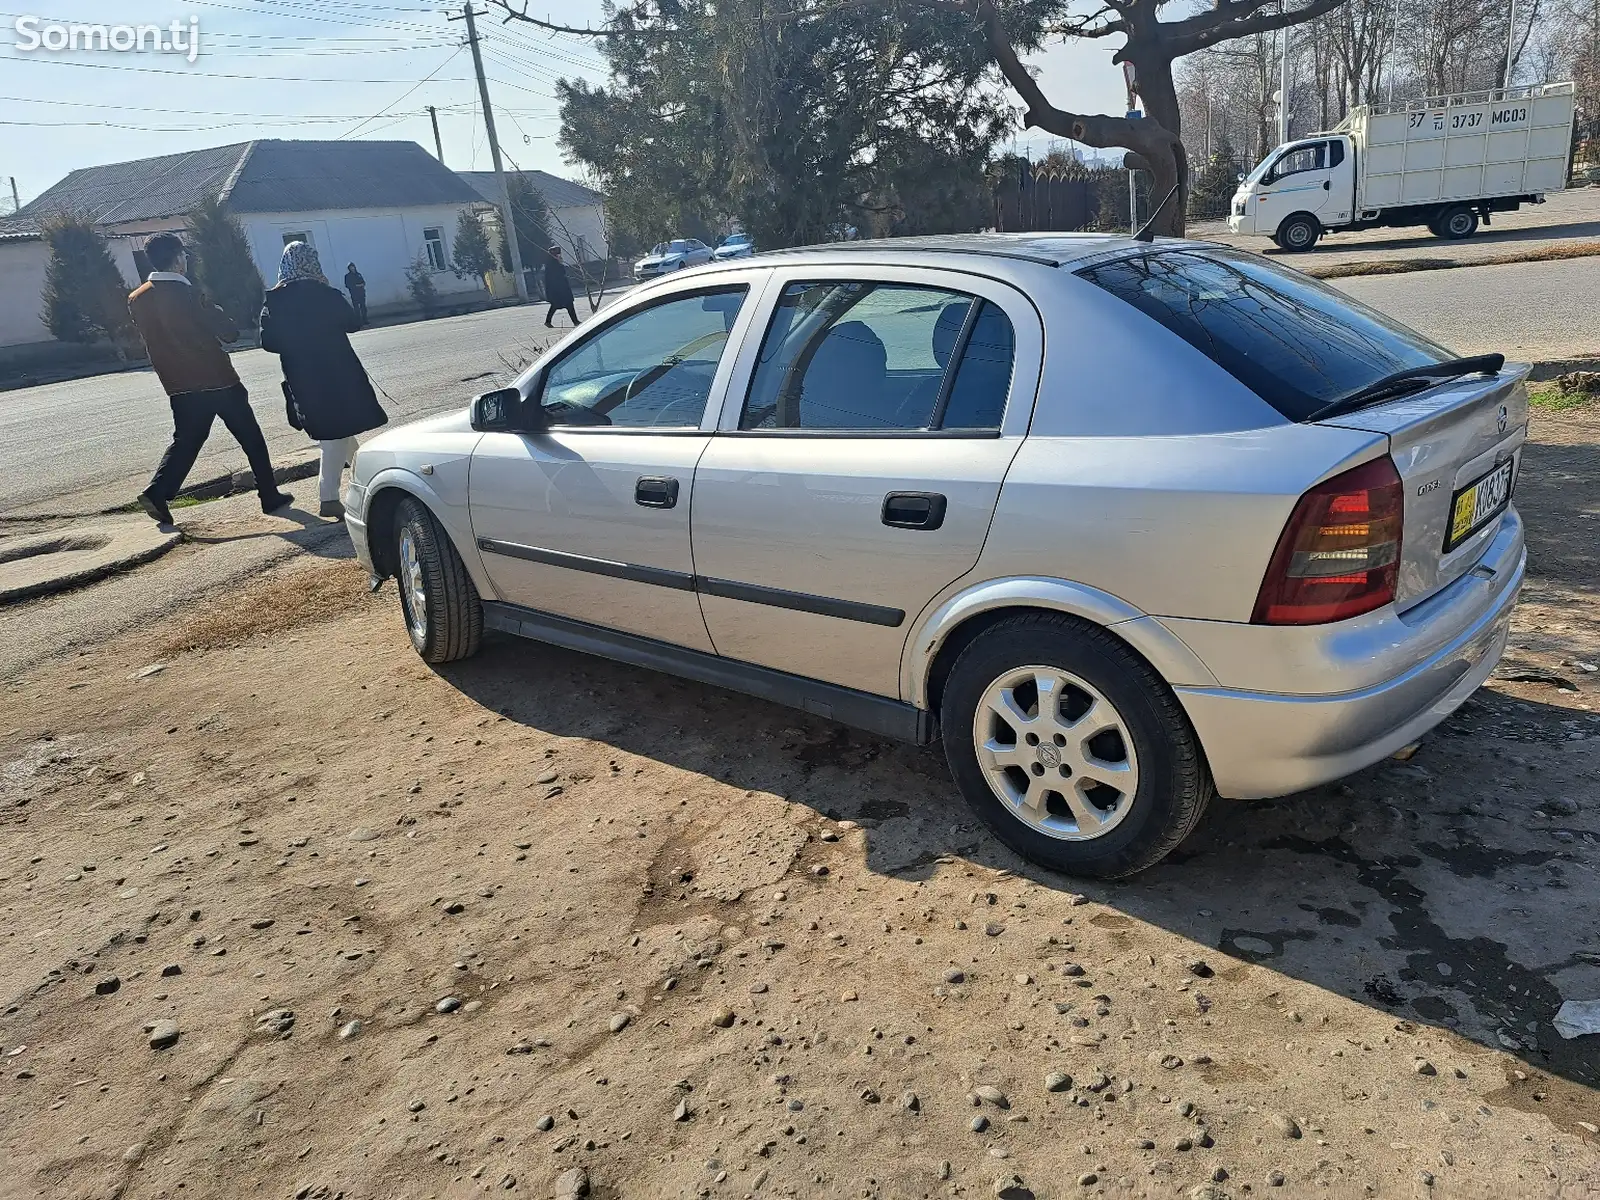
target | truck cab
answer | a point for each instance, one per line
(1297, 190)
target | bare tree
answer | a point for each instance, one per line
(1150, 45)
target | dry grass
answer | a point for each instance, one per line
(1402, 266)
(311, 593)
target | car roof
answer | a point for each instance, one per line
(1044, 249)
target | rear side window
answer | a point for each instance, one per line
(881, 357)
(1295, 342)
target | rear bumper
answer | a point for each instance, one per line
(1270, 744)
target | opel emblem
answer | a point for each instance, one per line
(1500, 418)
(1049, 755)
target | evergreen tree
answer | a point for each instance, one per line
(532, 222)
(1213, 188)
(221, 265)
(419, 280)
(85, 296)
(471, 248)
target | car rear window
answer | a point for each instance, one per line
(1295, 342)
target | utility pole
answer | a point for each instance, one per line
(1283, 88)
(16, 204)
(1511, 42)
(494, 154)
(438, 146)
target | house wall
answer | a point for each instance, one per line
(580, 231)
(22, 265)
(382, 242)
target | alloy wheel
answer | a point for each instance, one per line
(411, 579)
(1056, 752)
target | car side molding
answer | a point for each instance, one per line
(873, 714)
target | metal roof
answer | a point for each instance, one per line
(260, 176)
(557, 192)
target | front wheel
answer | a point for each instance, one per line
(1456, 224)
(1071, 748)
(443, 614)
(1299, 232)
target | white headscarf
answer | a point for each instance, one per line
(299, 262)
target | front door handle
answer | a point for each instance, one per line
(914, 510)
(656, 491)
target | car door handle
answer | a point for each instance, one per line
(914, 510)
(656, 491)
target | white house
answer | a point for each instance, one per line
(577, 213)
(380, 205)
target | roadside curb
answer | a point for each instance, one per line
(237, 482)
(46, 563)
(1408, 266)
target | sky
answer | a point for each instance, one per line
(329, 69)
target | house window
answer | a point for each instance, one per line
(297, 237)
(434, 240)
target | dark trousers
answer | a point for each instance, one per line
(555, 308)
(192, 415)
(358, 301)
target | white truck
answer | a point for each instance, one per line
(1444, 162)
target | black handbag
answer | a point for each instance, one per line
(291, 410)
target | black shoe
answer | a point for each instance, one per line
(275, 501)
(157, 509)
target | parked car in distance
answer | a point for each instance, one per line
(671, 256)
(1125, 524)
(735, 245)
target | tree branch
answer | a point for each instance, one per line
(1237, 19)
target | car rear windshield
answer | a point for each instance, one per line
(1295, 342)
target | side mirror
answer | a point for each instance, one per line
(505, 411)
(1240, 177)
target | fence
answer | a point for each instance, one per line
(1035, 203)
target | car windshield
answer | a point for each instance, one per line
(1261, 167)
(659, 248)
(736, 239)
(1295, 342)
(681, 246)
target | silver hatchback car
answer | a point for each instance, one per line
(1125, 524)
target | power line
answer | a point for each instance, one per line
(58, 62)
(403, 95)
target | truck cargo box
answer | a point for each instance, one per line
(1471, 146)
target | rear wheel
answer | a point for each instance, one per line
(1299, 232)
(1072, 750)
(444, 616)
(1456, 224)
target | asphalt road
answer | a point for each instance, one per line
(1533, 312)
(90, 444)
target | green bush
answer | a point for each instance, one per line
(221, 264)
(85, 296)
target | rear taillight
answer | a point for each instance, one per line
(1339, 554)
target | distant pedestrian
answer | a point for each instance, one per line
(183, 332)
(307, 323)
(357, 287)
(557, 287)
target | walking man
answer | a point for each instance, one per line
(357, 287)
(557, 287)
(182, 334)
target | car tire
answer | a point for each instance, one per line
(440, 604)
(1299, 232)
(1141, 733)
(1456, 224)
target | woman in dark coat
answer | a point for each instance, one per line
(557, 287)
(308, 324)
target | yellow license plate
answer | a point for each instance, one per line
(1480, 502)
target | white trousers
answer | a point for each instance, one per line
(335, 455)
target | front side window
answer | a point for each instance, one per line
(651, 369)
(881, 356)
(1302, 158)
(1295, 342)
(433, 239)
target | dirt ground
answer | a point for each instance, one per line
(422, 933)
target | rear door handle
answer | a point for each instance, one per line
(914, 510)
(656, 491)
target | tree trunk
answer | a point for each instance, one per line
(1169, 173)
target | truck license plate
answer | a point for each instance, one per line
(1480, 502)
